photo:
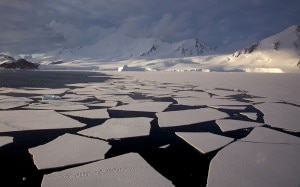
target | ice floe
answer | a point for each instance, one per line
(194, 94)
(188, 117)
(4, 105)
(208, 102)
(281, 115)
(266, 135)
(4, 140)
(68, 150)
(18, 120)
(224, 93)
(250, 115)
(125, 170)
(230, 125)
(117, 128)
(255, 164)
(204, 142)
(91, 114)
(143, 107)
(230, 107)
(57, 105)
(107, 104)
(44, 91)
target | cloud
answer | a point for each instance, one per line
(37, 26)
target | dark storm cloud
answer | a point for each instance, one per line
(37, 26)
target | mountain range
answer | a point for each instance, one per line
(277, 53)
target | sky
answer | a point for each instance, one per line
(38, 26)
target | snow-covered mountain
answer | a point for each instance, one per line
(116, 47)
(278, 53)
(281, 50)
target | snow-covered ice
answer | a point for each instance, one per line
(4, 105)
(194, 94)
(125, 170)
(4, 140)
(266, 135)
(117, 128)
(68, 150)
(204, 142)
(143, 107)
(230, 125)
(224, 93)
(107, 104)
(250, 115)
(91, 114)
(188, 117)
(57, 105)
(229, 107)
(281, 115)
(255, 164)
(19, 120)
(208, 102)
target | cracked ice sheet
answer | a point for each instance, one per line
(19, 120)
(126, 170)
(107, 104)
(8, 102)
(194, 94)
(266, 135)
(208, 102)
(255, 164)
(39, 92)
(57, 105)
(204, 142)
(188, 117)
(143, 107)
(16, 99)
(230, 125)
(11, 104)
(91, 114)
(117, 128)
(250, 115)
(230, 107)
(4, 140)
(263, 100)
(223, 93)
(68, 150)
(281, 115)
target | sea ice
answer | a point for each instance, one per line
(188, 117)
(204, 142)
(125, 170)
(230, 125)
(57, 105)
(91, 114)
(194, 94)
(4, 105)
(263, 100)
(230, 107)
(208, 102)
(4, 140)
(68, 150)
(19, 120)
(223, 93)
(250, 115)
(281, 115)
(266, 135)
(117, 128)
(107, 104)
(143, 107)
(255, 164)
